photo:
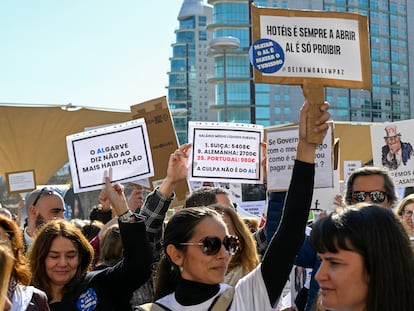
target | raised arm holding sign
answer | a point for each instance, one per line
(313, 49)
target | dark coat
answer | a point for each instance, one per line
(111, 289)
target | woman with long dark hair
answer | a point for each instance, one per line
(61, 259)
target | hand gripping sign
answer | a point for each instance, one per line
(313, 49)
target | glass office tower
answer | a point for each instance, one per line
(188, 90)
(390, 98)
(231, 18)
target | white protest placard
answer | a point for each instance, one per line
(326, 41)
(226, 152)
(349, 167)
(281, 153)
(323, 198)
(392, 148)
(292, 45)
(254, 208)
(122, 149)
(19, 182)
(313, 49)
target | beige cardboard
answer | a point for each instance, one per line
(163, 140)
(21, 131)
(355, 143)
(364, 47)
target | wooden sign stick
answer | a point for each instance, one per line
(314, 93)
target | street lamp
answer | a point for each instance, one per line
(224, 44)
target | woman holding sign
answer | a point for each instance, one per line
(198, 248)
(61, 259)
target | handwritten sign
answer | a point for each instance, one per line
(281, 154)
(349, 167)
(293, 45)
(225, 152)
(122, 148)
(392, 148)
(251, 208)
(19, 182)
(323, 198)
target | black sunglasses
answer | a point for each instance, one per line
(375, 196)
(211, 245)
(44, 190)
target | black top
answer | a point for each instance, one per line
(190, 293)
(279, 258)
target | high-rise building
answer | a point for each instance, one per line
(231, 19)
(188, 90)
(392, 57)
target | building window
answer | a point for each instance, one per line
(202, 35)
(202, 21)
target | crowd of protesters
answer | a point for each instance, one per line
(129, 256)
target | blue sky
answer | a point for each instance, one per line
(109, 54)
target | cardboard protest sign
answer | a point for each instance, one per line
(392, 148)
(122, 149)
(251, 208)
(310, 48)
(163, 140)
(281, 154)
(349, 167)
(323, 198)
(354, 139)
(19, 182)
(226, 152)
(290, 45)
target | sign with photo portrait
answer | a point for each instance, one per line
(392, 148)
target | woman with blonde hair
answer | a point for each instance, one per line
(246, 257)
(20, 293)
(6, 269)
(111, 248)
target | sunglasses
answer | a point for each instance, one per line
(211, 245)
(45, 190)
(375, 196)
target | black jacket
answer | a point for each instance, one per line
(111, 288)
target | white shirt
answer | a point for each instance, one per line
(250, 294)
(27, 238)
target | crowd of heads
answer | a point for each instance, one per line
(370, 232)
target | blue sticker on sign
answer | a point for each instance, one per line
(267, 56)
(88, 300)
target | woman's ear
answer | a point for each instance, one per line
(175, 254)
